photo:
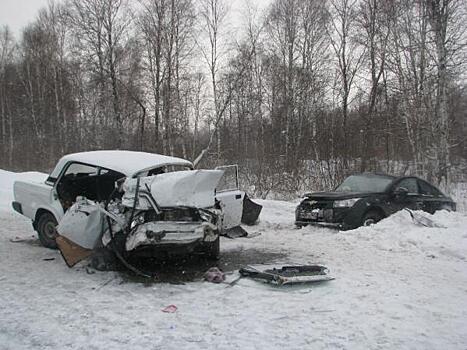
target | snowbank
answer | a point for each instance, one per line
(458, 192)
(399, 233)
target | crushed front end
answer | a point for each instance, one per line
(320, 212)
(155, 216)
(170, 214)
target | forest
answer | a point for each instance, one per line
(299, 94)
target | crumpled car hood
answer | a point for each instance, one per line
(191, 188)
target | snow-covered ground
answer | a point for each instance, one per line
(397, 286)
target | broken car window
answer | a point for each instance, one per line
(86, 181)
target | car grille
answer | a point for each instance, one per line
(316, 211)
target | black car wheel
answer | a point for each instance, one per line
(212, 250)
(371, 218)
(447, 207)
(46, 229)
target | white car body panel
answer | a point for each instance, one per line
(231, 203)
(34, 196)
(230, 197)
(82, 223)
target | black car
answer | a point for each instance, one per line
(364, 199)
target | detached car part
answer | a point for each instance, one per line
(289, 274)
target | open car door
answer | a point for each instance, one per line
(230, 197)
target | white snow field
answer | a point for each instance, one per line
(397, 286)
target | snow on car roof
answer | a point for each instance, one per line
(125, 162)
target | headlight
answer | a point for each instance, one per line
(346, 203)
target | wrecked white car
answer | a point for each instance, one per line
(133, 202)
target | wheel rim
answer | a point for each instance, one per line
(369, 222)
(49, 230)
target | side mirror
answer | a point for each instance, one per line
(400, 192)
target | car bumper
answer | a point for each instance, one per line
(334, 225)
(168, 250)
(324, 217)
(167, 234)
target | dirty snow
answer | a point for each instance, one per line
(397, 285)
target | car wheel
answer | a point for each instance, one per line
(213, 249)
(371, 218)
(46, 229)
(446, 207)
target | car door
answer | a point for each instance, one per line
(407, 194)
(433, 199)
(70, 184)
(230, 197)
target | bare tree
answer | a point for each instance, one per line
(348, 56)
(100, 27)
(6, 58)
(447, 21)
(167, 28)
(213, 14)
(374, 24)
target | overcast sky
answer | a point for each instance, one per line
(16, 14)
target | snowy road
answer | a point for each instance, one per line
(397, 286)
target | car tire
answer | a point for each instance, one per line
(371, 218)
(213, 250)
(46, 225)
(446, 207)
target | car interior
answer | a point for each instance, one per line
(94, 183)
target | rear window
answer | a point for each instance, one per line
(81, 169)
(428, 190)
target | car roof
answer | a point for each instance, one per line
(125, 162)
(376, 175)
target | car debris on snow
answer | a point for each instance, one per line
(214, 275)
(235, 232)
(289, 274)
(170, 309)
(422, 220)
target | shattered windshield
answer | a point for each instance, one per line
(364, 183)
